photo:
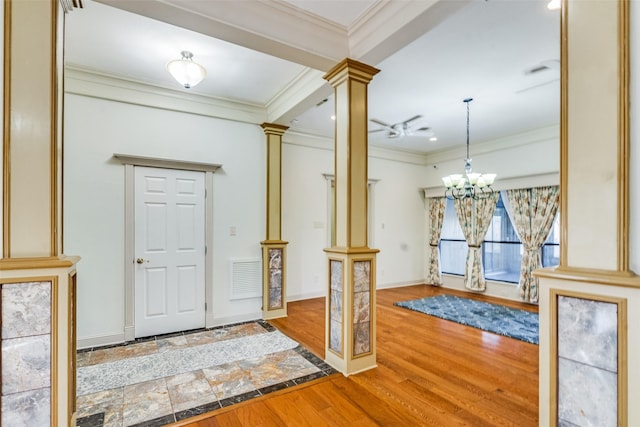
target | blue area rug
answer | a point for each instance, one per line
(510, 322)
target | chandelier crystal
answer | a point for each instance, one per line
(472, 184)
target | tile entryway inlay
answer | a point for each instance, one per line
(166, 379)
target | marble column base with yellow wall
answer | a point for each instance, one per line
(586, 342)
(274, 298)
(38, 341)
(350, 306)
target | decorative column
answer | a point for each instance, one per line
(587, 334)
(350, 344)
(274, 249)
(37, 282)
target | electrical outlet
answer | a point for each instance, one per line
(232, 230)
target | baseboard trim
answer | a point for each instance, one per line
(227, 320)
(307, 295)
(508, 291)
(101, 340)
(400, 284)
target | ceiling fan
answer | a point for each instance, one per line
(400, 129)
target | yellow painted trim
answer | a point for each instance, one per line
(352, 69)
(71, 349)
(349, 154)
(622, 374)
(266, 278)
(274, 128)
(600, 277)
(273, 205)
(372, 308)
(273, 210)
(53, 148)
(564, 132)
(54, 350)
(328, 309)
(553, 360)
(6, 136)
(351, 251)
(623, 135)
(273, 242)
(38, 263)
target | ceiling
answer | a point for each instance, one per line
(272, 54)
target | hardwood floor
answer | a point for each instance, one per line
(431, 372)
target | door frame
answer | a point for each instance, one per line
(129, 162)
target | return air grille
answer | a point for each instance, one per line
(246, 278)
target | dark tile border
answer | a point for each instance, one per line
(240, 398)
(95, 420)
(198, 410)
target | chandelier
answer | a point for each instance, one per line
(472, 184)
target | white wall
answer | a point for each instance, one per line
(398, 217)
(95, 129)
(304, 218)
(399, 222)
(634, 125)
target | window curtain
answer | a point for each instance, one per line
(534, 210)
(474, 217)
(436, 217)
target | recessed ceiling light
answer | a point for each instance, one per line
(333, 117)
(553, 5)
(433, 139)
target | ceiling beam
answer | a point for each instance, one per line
(275, 28)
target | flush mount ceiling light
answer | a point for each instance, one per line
(185, 71)
(471, 184)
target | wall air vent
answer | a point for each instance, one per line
(246, 278)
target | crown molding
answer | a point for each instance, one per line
(397, 156)
(389, 26)
(512, 141)
(94, 84)
(309, 140)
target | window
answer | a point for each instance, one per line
(501, 249)
(453, 246)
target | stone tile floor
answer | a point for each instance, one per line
(159, 380)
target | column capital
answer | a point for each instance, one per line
(274, 128)
(350, 68)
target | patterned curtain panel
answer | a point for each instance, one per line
(436, 216)
(475, 217)
(534, 210)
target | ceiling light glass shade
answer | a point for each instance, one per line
(553, 5)
(185, 71)
(472, 184)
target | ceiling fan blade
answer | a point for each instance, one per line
(416, 117)
(376, 130)
(422, 129)
(381, 123)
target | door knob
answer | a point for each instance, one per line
(141, 260)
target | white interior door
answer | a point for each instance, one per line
(170, 250)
